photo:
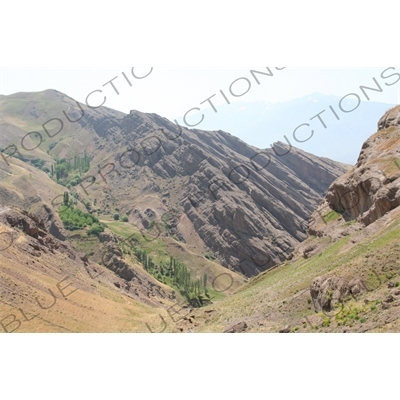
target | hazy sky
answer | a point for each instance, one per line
(171, 92)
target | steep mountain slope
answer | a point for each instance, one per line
(24, 186)
(46, 286)
(346, 276)
(243, 207)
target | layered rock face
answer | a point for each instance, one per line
(249, 206)
(372, 187)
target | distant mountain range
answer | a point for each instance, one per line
(261, 124)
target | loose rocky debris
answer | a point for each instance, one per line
(238, 328)
(286, 329)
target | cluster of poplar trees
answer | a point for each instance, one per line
(82, 163)
(63, 167)
(181, 277)
(178, 275)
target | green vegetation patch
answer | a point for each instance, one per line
(332, 216)
(75, 219)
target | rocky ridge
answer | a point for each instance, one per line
(245, 206)
(248, 206)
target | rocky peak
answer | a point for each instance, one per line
(391, 118)
(372, 188)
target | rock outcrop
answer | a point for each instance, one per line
(142, 284)
(40, 238)
(391, 118)
(237, 328)
(364, 196)
(328, 291)
(372, 188)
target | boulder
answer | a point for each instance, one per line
(328, 291)
(237, 328)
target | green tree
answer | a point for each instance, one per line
(87, 204)
(66, 199)
(96, 229)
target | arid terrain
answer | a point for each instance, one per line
(113, 222)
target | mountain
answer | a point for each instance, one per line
(243, 207)
(346, 276)
(113, 222)
(261, 124)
